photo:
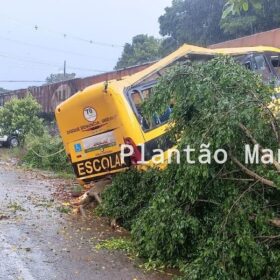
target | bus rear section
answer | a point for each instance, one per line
(96, 122)
(92, 133)
(262, 60)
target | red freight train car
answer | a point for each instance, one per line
(49, 96)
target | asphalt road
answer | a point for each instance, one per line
(38, 242)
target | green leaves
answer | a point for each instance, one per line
(245, 6)
(21, 115)
(246, 17)
(55, 78)
(213, 221)
(128, 195)
(229, 9)
(237, 6)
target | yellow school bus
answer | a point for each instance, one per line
(95, 122)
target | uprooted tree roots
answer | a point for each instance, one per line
(93, 195)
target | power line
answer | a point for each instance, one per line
(15, 81)
(52, 49)
(49, 64)
(65, 35)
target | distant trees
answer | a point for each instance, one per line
(202, 22)
(2, 90)
(193, 21)
(143, 49)
(60, 77)
(205, 22)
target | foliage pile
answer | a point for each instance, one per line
(123, 201)
(45, 152)
(214, 221)
(120, 244)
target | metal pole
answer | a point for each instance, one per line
(64, 69)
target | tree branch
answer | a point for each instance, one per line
(235, 203)
(274, 124)
(208, 201)
(254, 141)
(252, 174)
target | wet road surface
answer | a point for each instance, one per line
(38, 242)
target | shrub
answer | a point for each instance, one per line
(46, 152)
(21, 115)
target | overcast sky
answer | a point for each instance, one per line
(33, 45)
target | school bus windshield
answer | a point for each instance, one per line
(144, 90)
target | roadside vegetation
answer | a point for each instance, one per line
(21, 115)
(213, 221)
(38, 147)
(45, 152)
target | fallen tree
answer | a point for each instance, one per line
(214, 221)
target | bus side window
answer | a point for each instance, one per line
(155, 120)
(260, 66)
(137, 101)
(275, 61)
(248, 65)
(245, 60)
(147, 93)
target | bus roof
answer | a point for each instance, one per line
(244, 50)
(181, 52)
(187, 50)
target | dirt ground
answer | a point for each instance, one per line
(38, 240)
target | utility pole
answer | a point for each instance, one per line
(64, 69)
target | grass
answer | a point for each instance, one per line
(120, 244)
(65, 208)
(126, 245)
(65, 175)
(18, 153)
(15, 207)
(6, 153)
